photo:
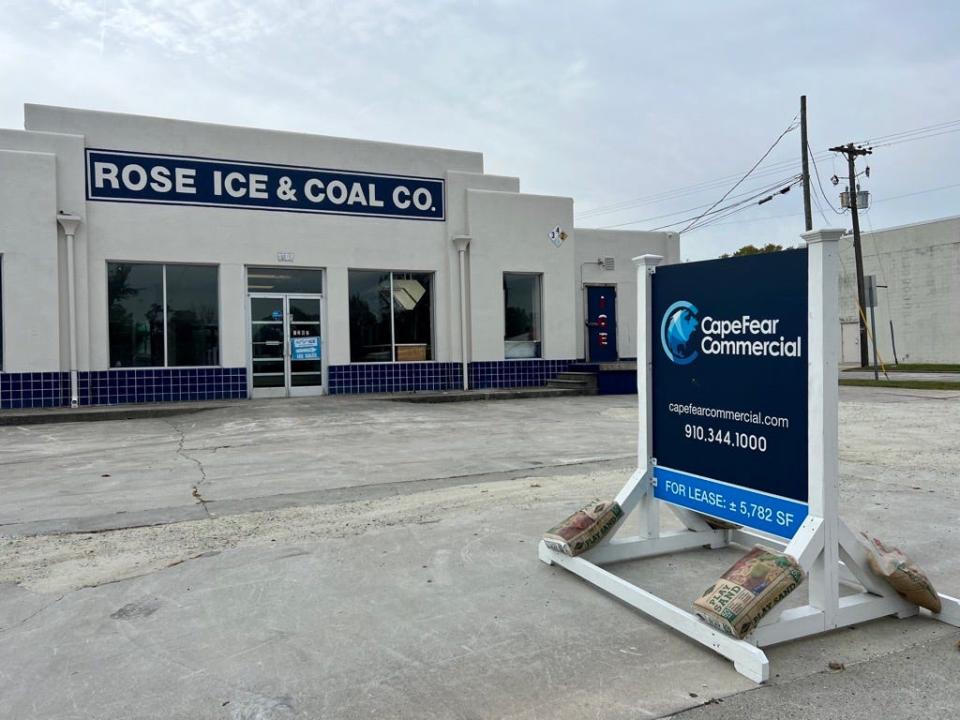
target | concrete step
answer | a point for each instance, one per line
(571, 384)
(588, 378)
(580, 383)
(618, 366)
(93, 413)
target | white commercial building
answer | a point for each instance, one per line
(145, 259)
(918, 266)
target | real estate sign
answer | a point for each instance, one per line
(730, 389)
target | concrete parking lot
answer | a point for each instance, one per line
(260, 449)
(354, 558)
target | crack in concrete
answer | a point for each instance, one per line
(195, 491)
(279, 501)
(31, 616)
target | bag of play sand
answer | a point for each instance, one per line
(584, 529)
(717, 523)
(747, 591)
(894, 566)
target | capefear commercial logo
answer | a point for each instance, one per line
(676, 330)
(684, 336)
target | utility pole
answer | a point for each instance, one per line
(807, 212)
(851, 153)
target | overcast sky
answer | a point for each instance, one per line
(605, 102)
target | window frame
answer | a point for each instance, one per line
(322, 271)
(393, 333)
(539, 315)
(166, 350)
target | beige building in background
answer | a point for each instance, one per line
(920, 266)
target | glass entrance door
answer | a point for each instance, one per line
(286, 345)
(304, 346)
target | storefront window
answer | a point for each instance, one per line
(135, 297)
(192, 315)
(143, 335)
(391, 316)
(521, 294)
(411, 316)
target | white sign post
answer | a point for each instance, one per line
(824, 546)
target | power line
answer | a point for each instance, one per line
(890, 139)
(747, 202)
(715, 220)
(816, 201)
(730, 210)
(756, 190)
(760, 219)
(874, 141)
(872, 200)
(791, 127)
(918, 192)
(683, 191)
(820, 184)
(917, 137)
(733, 208)
(771, 169)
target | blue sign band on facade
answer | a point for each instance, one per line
(115, 176)
(760, 511)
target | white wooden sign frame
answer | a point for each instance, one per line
(825, 546)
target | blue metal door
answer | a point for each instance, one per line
(602, 323)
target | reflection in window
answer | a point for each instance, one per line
(370, 334)
(141, 334)
(192, 315)
(411, 316)
(135, 297)
(521, 294)
(391, 316)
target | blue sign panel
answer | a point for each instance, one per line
(178, 180)
(769, 513)
(305, 348)
(730, 387)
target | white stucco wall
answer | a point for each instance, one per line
(183, 137)
(920, 264)
(509, 233)
(457, 225)
(28, 245)
(234, 238)
(623, 246)
(508, 230)
(68, 196)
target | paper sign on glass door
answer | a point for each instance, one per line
(305, 348)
